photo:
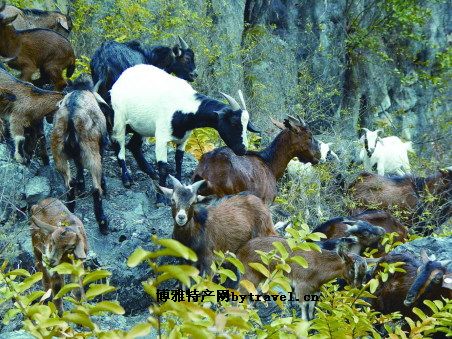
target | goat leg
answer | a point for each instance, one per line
(179, 157)
(70, 204)
(125, 176)
(80, 179)
(134, 146)
(99, 212)
(161, 200)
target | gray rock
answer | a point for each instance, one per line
(37, 189)
(17, 335)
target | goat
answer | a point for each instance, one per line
(257, 172)
(322, 267)
(35, 18)
(80, 134)
(112, 58)
(25, 106)
(367, 234)
(404, 290)
(25, 52)
(406, 194)
(155, 103)
(56, 233)
(433, 281)
(223, 225)
(389, 154)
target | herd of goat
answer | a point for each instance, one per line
(145, 91)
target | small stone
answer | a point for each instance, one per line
(36, 189)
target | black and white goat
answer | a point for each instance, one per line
(112, 58)
(80, 134)
(154, 103)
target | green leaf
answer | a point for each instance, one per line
(66, 289)
(95, 275)
(10, 314)
(316, 236)
(419, 313)
(237, 263)
(432, 305)
(98, 289)
(260, 268)
(373, 284)
(281, 249)
(63, 268)
(228, 273)
(18, 273)
(299, 260)
(139, 330)
(183, 273)
(178, 249)
(29, 281)
(137, 257)
(79, 319)
(107, 306)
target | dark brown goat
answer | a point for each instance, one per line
(224, 225)
(257, 172)
(25, 106)
(55, 234)
(34, 18)
(367, 234)
(405, 290)
(405, 195)
(36, 49)
(80, 134)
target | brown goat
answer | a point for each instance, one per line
(80, 134)
(35, 18)
(322, 267)
(55, 234)
(404, 194)
(433, 281)
(224, 225)
(25, 106)
(26, 53)
(257, 172)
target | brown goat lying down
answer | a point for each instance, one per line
(36, 49)
(25, 106)
(404, 290)
(405, 194)
(55, 234)
(257, 172)
(225, 224)
(322, 267)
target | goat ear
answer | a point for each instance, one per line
(47, 228)
(79, 251)
(7, 21)
(177, 51)
(447, 281)
(278, 124)
(424, 256)
(63, 23)
(201, 198)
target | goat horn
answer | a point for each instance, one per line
(182, 43)
(43, 225)
(6, 60)
(176, 183)
(234, 105)
(242, 99)
(195, 186)
(97, 85)
(302, 122)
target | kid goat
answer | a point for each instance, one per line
(389, 154)
(322, 267)
(154, 103)
(257, 172)
(224, 225)
(56, 233)
(80, 134)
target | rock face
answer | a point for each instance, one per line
(440, 247)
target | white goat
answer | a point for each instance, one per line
(390, 154)
(154, 103)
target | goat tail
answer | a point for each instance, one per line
(71, 142)
(70, 70)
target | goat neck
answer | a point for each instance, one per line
(327, 266)
(278, 154)
(9, 42)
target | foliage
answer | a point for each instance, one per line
(18, 289)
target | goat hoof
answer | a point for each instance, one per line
(103, 227)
